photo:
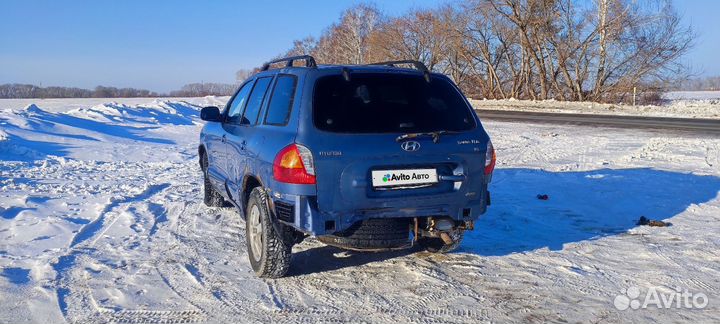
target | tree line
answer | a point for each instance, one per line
(700, 84)
(205, 89)
(597, 50)
(14, 90)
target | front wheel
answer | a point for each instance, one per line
(268, 251)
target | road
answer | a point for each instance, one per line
(684, 124)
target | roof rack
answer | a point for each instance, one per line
(417, 64)
(309, 61)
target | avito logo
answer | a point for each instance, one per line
(386, 177)
(405, 177)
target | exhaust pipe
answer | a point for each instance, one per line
(446, 238)
(444, 226)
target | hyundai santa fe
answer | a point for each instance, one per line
(366, 157)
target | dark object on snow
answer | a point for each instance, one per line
(651, 222)
(543, 197)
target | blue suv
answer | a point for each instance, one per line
(364, 157)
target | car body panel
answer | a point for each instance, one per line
(344, 193)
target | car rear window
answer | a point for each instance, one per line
(389, 103)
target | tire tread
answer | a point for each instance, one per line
(277, 249)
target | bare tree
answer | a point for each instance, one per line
(536, 49)
(243, 74)
(356, 26)
(418, 35)
(303, 46)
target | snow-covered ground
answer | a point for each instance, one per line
(688, 104)
(692, 95)
(101, 220)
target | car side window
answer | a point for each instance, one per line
(281, 101)
(238, 103)
(254, 102)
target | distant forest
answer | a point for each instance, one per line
(18, 91)
(21, 91)
(700, 84)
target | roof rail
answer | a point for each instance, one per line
(417, 64)
(309, 61)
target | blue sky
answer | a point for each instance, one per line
(161, 45)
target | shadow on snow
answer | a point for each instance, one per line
(582, 206)
(129, 132)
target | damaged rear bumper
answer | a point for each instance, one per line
(302, 213)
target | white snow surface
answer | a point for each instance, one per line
(692, 95)
(682, 104)
(101, 220)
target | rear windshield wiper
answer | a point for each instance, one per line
(435, 135)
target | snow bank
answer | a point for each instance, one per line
(33, 131)
(691, 95)
(33, 109)
(156, 112)
(64, 105)
(12, 148)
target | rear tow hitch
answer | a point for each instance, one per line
(445, 229)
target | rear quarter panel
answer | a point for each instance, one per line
(270, 139)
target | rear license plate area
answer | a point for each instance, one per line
(403, 178)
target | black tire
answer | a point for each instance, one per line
(274, 248)
(437, 245)
(372, 234)
(211, 197)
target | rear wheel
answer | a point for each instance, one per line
(211, 197)
(438, 245)
(269, 250)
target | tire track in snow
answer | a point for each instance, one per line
(99, 224)
(75, 300)
(281, 303)
(178, 267)
(175, 262)
(152, 316)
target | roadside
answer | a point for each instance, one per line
(701, 104)
(696, 125)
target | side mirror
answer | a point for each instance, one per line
(211, 114)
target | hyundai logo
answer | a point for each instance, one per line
(410, 146)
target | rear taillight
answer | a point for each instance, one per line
(294, 164)
(489, 158)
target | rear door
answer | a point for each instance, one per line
(362, 162)
(241, 132)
